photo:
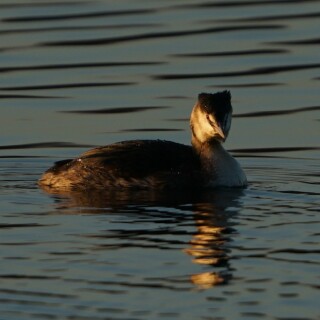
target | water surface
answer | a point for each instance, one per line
(77, 74)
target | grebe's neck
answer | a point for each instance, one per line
(219, 167)
(205, 148)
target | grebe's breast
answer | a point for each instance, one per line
(224, 170)
(139, 163)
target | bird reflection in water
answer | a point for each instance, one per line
(211, 214)
(209, 245)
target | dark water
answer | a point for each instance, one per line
(80, 73)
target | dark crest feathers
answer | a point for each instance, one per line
(218, 103)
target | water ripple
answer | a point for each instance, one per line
(26, 276)
(308, 15)
(26, 96)
(78, 28)
(248, 85)
(246, 3)
(158, 35)
(310, 41)
(275, 112)
(87, 15)
(42, 4)
(117, 110)
(250, 72)
(36, 293)
(67, 86)
(20, 225)
(151, 130)
(231, 53)
(275, 149)
(83, 65)
(45, 145)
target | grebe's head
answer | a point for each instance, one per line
(211, 117)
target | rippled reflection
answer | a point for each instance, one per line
(209, 245)
(210, 213)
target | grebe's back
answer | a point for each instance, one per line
(135, 164)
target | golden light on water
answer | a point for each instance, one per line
(207, 280)
(207, 248)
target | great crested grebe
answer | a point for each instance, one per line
(159, 163)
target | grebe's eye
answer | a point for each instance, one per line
(209, 120)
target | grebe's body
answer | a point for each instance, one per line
(158, 163)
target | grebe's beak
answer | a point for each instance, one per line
(223, 127)
(217, 127)
(220, 133)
